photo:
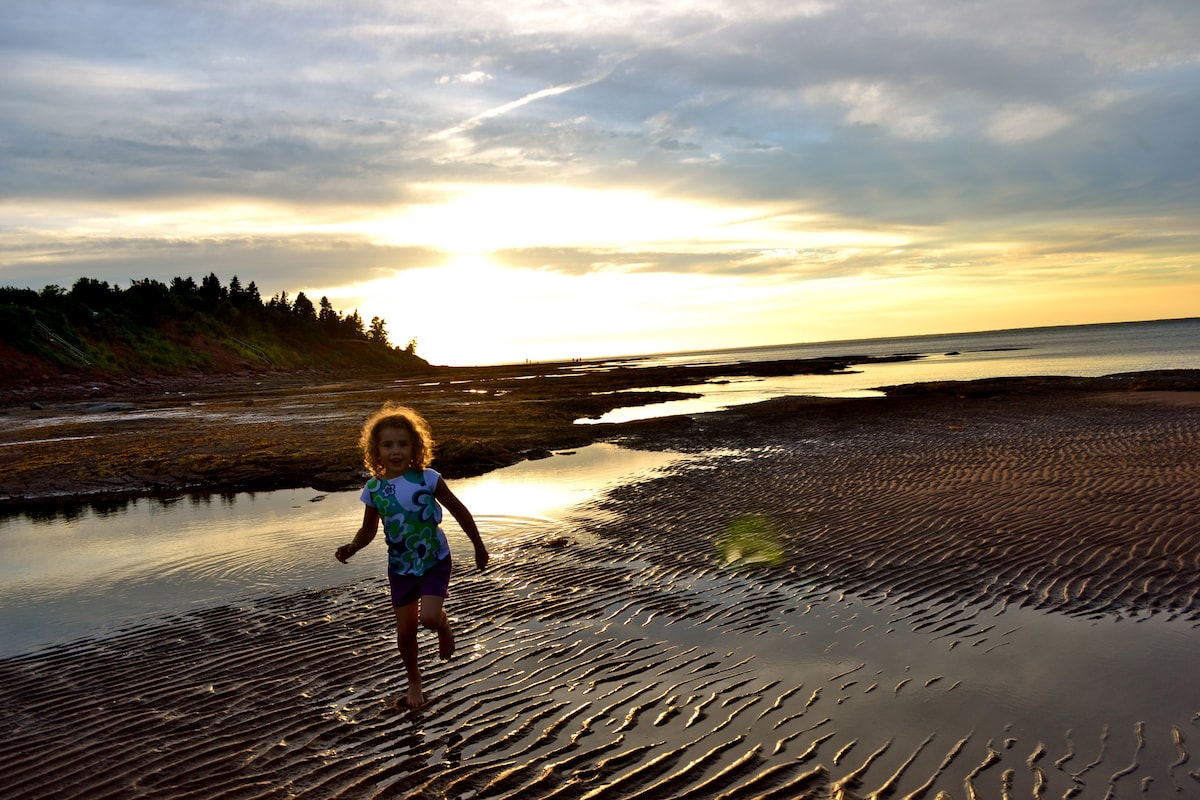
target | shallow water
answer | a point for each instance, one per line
(1078, 351)
(590, 641)
(92, 574)
(1043, 685)
(101, 572)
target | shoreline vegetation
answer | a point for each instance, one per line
(153, 330)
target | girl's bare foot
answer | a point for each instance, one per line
(445, 641)
(416, 697)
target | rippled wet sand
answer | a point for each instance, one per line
(1000, 602)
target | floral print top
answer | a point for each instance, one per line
(410, 515)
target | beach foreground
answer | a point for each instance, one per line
(944, 594)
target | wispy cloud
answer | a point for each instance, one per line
(505, 108)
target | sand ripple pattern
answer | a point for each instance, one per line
(613, 657)
(1088, 511)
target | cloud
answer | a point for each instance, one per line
(283, 264)
(940, 130)
(330, 101)
(475, 76)
(505, 108)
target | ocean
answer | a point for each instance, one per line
(1070, 350)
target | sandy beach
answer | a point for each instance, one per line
(955, 592)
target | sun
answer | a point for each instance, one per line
(461, 312)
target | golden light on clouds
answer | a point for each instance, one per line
(505, 182)
(492, 221)
(479, 304)
(482, 218)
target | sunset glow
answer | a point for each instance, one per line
(517, 182)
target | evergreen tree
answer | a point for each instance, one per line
(252, 295)
(352, 327)
(211, 290)
(328, 318)
(95, 295)
(184, 287)
(303, 309)
(378, 332)
(149, 301)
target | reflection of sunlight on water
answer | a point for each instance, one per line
(1087, 351)
(70, 577)
(736, 392)
(864, 380)
(546, 488)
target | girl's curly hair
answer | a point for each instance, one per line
(393, 415)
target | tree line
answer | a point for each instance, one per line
(151, 301)
(93, 315)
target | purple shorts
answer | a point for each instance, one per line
(408, 588)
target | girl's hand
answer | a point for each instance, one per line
(481, 557)
(344, 552)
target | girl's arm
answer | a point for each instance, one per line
(463, 517)
(370, 526)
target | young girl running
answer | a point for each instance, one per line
(405, 495)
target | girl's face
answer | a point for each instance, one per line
(396, 450)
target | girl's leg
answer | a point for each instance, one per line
(406, 642)
(433, 616)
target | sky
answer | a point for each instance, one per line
(505, 181)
